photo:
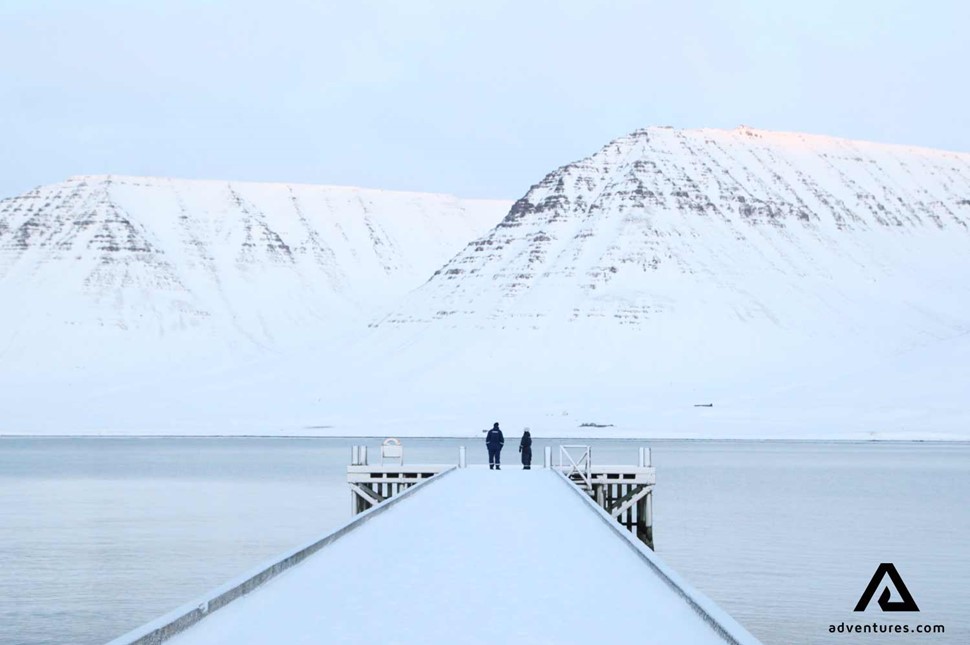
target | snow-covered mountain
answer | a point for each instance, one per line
(804, 286)
(624, 233)
(680, 267)
(99, 270)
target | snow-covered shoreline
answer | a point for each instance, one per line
(934, 438)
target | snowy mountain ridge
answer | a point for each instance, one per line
(134, 260)
(649, 206)
(802, 286)
(758, 270)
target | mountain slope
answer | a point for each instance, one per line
(96, 269)
(674, 268)
(802, 286)
(620, 232)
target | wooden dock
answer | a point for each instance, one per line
(625, 492)
(456, 553)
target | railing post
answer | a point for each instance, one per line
(354, 458)
(461, 456)
(547, 457)
(649, 527)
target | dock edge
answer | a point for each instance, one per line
(180, 619)
(718, 619)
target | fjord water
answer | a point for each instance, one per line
(98, 536)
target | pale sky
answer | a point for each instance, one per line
(478, 99)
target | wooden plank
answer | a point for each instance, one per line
(629, 500)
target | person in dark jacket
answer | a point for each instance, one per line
(494, 441)
(525, 447)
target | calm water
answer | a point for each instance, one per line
(98, 536)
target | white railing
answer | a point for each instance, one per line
(579, 464)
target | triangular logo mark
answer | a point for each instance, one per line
(906, 604)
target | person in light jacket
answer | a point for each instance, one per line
(525, 447)
(494, 441)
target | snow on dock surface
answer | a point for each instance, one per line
(479, 557)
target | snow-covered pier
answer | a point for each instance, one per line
(465, 554)
(625, 492)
